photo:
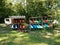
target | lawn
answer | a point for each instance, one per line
(39, 37)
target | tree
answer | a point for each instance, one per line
(32, 8)
(36, 8)
(19, 9)
(52, 6)
(4, 11)
(40, 7)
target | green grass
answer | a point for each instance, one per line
(38, 37)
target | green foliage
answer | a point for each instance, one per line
(4, 11)
(20, 10)
(36, 8)
(33, 8)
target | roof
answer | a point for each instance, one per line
(34, 17)
(16, 17)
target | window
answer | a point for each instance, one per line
(7, 19)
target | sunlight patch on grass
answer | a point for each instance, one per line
(57, 31)
(2, 25)
(39, 44)
(13, 31)
(26, 37)
(17, 35)
(3, 38)
(20, 40)
(56, 35)
(47, 36)
(57, 40)
(17, 40)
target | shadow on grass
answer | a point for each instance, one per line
(38, 37)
